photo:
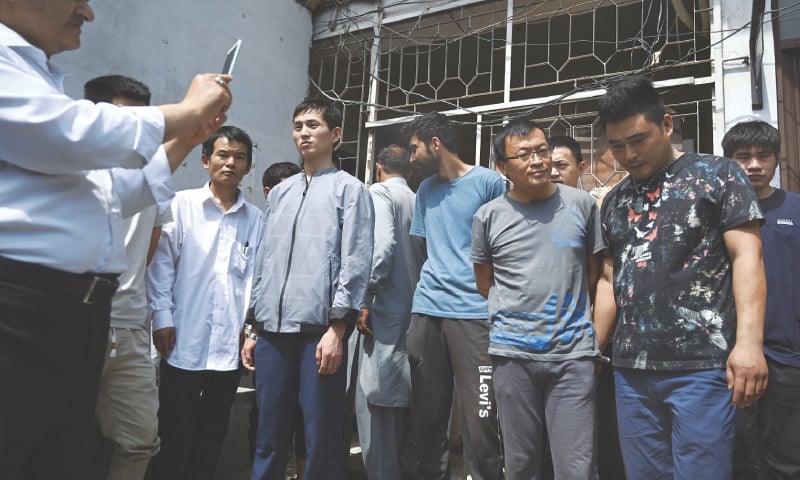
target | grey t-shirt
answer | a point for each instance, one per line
(539, 305)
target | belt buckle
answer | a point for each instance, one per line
(99, 289)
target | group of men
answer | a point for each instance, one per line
(669, 272)
(503, 288)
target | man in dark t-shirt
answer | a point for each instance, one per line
(683, 284)
(768, 433)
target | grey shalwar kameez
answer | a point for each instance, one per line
(384, 385)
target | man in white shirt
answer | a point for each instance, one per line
(198, 286)
(127, 401)
(61, 244)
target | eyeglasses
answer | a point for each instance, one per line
(541, 153)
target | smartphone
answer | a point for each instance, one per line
(230, 59)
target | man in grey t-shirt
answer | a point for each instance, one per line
(536, 253)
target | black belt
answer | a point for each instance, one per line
(89, 288)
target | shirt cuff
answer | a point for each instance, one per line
(348, 315)
(158, 175)
(162, 319)
(368, 299)
(250, 316)
(150, 132)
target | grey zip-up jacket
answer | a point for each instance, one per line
(315, 258)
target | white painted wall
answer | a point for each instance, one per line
(332, 19)
(163, 44)
(733, 101)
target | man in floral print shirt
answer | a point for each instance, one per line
(682, 292)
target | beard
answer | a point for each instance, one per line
(422, 170)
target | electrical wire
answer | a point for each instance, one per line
(646, 42)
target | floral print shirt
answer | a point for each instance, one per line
(672, 274)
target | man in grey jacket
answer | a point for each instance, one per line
(383, 392)
(311, 278)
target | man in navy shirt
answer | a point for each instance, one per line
(768, 433)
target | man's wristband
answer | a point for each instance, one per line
(249, 332)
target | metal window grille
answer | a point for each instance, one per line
(483, 63)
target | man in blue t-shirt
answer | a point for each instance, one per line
(448, 340)
(768, 433)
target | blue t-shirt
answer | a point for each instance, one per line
(443, 216)
(780, 235)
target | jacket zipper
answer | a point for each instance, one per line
(291, 254)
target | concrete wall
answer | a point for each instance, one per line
(733, 102)
(164, 44)
(337, 18)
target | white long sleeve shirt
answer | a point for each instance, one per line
(57, 208)
(200, 278)
(129, 305)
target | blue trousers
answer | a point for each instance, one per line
(675, 424)
(286, 370)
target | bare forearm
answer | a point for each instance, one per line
(605, 306)
(605, 313)
(338, 327)
(484, 273)
(746, 368)
(750, 294)
(178, 120)
(177, 149)
(749, 282)
(483, 290)
(593, 268)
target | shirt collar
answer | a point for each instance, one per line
(208, 196)
(13, 40)
(395, 181)
(325, 172)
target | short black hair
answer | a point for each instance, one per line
(630, 97)
(568, 142)
(330, 112)
(394, 159)
(233, 134)
(432, 125)
(520, 127)
(108, 87)
(277, 172)
(755, 133)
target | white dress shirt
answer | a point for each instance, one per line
(53, 211)
(129, 305)
(200, 278)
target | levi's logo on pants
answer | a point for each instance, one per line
(484, 385)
